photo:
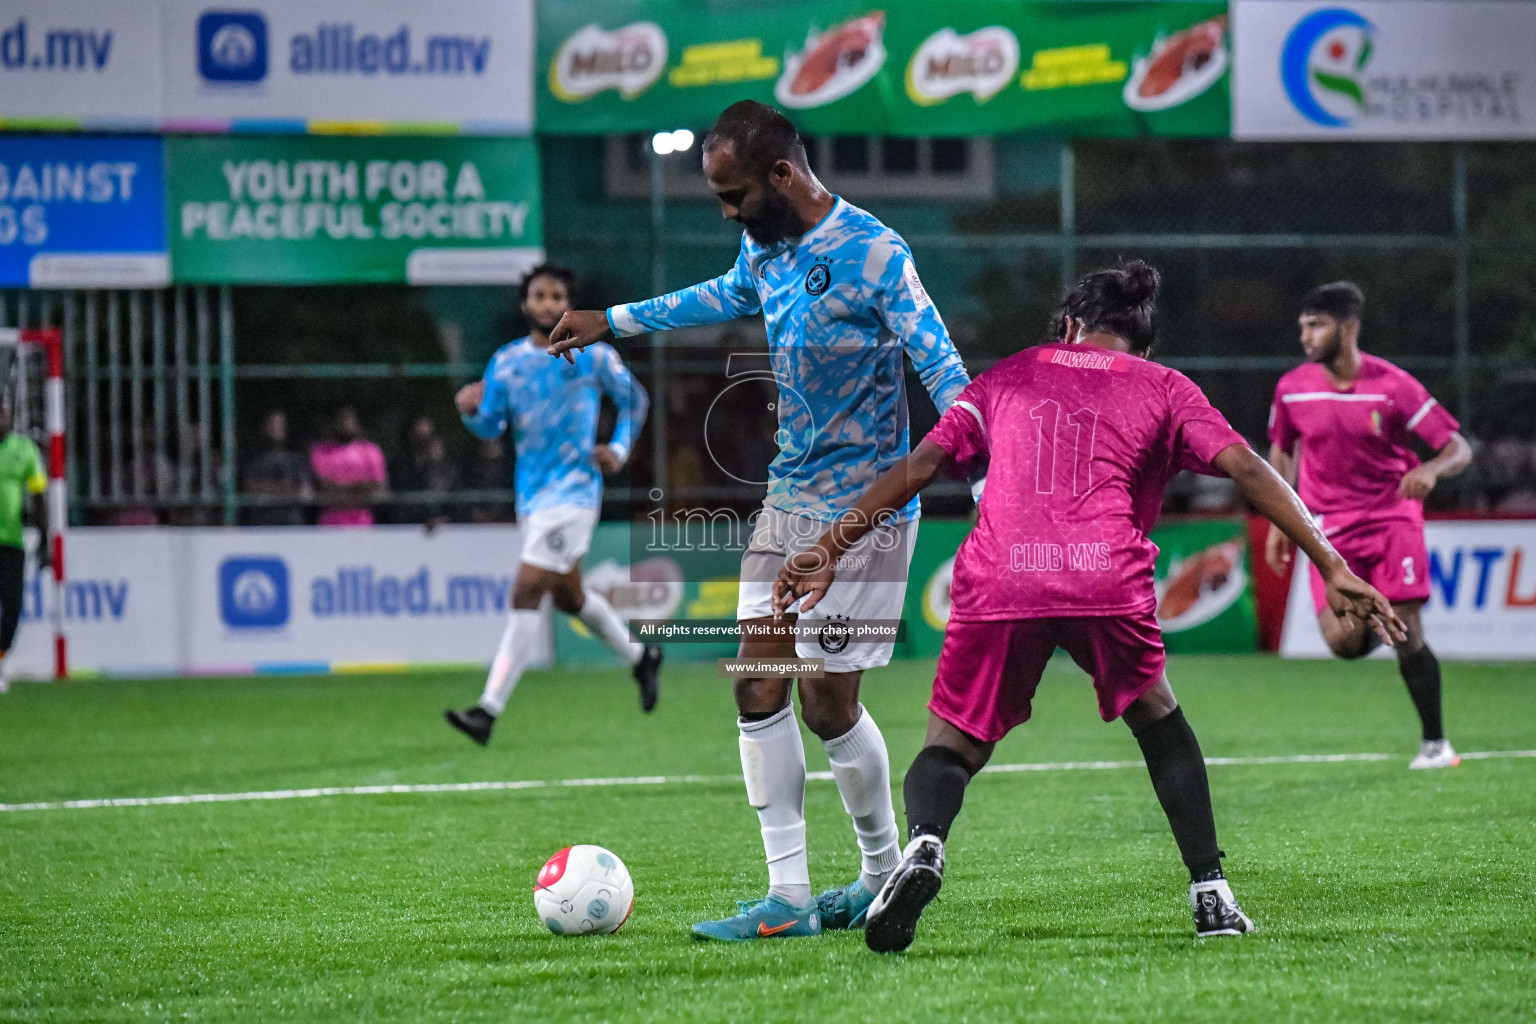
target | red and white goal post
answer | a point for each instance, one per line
(33, 362)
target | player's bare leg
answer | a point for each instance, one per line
(1177, 768)
(1351, 637)
(520, 637)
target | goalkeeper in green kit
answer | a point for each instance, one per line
(21, 478)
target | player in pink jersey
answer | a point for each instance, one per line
(1339, 429)
(1082, 434)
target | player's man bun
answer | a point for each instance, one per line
(1120, 300)
(1342, 300)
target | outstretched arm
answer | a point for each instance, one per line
(1275, 501)
(726, 297)
(632, 402)
(810, 573)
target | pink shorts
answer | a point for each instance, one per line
(1389, 554)
(988, 671)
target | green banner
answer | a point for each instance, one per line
(1205, 594)
(645, 575)
(320, 210)
(1205, 587)
(947, 68)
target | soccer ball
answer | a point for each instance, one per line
(583, 890)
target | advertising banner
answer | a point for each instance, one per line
(1384, 69)
(326, 65)
(80, 211)
(1482, 600)
(644, 576)
(79, 63)
(212, 601)
(1203, 585)
(950, 69)
(123, 606)
(309, 210)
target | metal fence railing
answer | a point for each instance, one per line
(166, 388)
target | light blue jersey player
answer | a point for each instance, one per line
(552, 408)
(843, 305)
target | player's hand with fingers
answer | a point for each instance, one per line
(607, 459)
(805, 577)
(1277, 550)
(1348, 595)
(1417, 482)
(468, 398)
(577, 329)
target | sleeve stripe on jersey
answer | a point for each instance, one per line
(1330, 396)
(1423, 411)
(624, 323)
(968, 407)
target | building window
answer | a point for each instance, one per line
(949, 156)
(855, 166)
(850, 153)
(898, 156)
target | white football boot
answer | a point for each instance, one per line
(1435, 754)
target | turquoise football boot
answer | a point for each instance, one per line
(762, 919)
(845, 907)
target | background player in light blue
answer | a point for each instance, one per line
(552, 407)
(843, 305)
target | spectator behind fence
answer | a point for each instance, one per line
(279, 476)
(425, 468)
(198, 485)
(349, 472)
(488, 472)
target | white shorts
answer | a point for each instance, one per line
(871, 584)
(555, 538)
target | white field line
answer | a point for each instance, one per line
(666, 780)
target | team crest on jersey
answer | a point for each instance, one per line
(1376, 422)
(835, 635)
(818, 279)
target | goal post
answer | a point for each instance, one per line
(32, 377)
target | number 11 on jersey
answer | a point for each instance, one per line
(1083, 424)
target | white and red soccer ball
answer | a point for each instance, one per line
(583, 890)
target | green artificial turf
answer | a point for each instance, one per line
(1381, 895)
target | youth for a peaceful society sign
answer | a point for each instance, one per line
(1108, 67)
(324, 210)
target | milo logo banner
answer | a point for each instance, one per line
(1105, 68)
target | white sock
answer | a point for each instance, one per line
(598, 616)
(511, 658)
(862, 770)
(773, 765)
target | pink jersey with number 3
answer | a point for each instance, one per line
(1353, 442)
(1081, 442)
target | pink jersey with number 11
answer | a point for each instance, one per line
(1081, 443)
